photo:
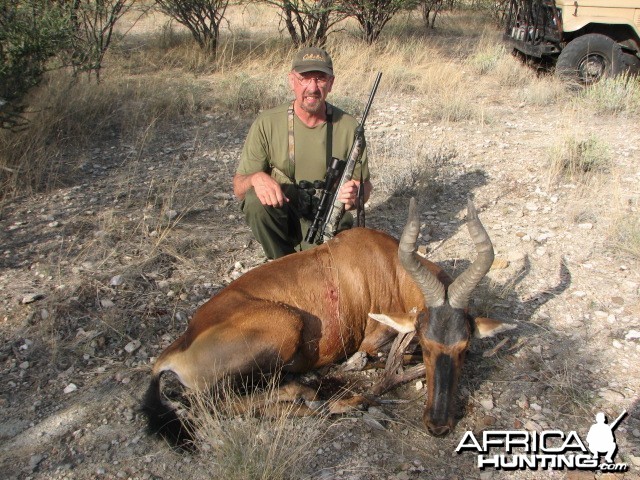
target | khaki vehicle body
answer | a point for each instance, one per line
(586, 39)
(621, 12)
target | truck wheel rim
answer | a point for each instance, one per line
(592, 68)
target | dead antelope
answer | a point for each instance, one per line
(314, 308)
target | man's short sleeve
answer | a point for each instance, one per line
(255, 156)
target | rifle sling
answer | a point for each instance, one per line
(360, 216)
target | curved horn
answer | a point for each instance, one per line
(429, 285)
(460, 290)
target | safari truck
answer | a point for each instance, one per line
(587, 40)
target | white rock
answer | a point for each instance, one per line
(106, 303)
(72, 387)
(632, 335)
(372, 422)
(32, 297)
(487, 403)
(132, 346)
(544, 237)
(117, 280)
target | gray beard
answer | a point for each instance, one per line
(313, 110)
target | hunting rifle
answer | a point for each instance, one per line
(330, 209)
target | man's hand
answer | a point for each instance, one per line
(268, 191)
(348, 194)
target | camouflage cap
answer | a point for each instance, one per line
(312, 59)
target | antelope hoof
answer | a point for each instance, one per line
(356, 362)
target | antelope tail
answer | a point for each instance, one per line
(163, 420)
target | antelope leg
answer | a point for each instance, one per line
(393, 370)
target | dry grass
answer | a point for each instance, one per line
(69, 114)
(251, 445)
(597, 193)
(613, 96)
(411, 167)
(241, 92)
(579, 160)
(584, 167)
(487, 55)
(156, 72)
(625, 234)
(544, 91)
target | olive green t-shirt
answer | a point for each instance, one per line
(267, 146)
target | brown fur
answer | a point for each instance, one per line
(303, 311)
(308, 310)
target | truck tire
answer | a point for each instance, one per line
(631, 63)
(590, 58)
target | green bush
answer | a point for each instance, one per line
(31, 33)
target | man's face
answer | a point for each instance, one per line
(311, 90)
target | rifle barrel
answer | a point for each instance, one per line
(335, 211)
(617, 420)
(371, 95)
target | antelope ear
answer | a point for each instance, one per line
(488, 327)
(401, 322)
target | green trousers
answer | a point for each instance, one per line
(281, 231)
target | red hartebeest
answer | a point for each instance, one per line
(314, 308)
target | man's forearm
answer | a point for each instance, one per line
(268, 191)
(241, 184)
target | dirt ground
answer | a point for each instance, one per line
(97, 277)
